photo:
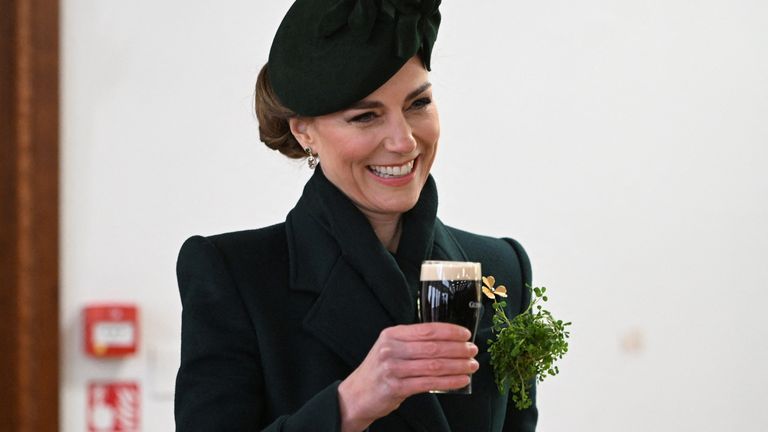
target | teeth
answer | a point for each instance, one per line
(392, 171)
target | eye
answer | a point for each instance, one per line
(421, 103)
(363, 118)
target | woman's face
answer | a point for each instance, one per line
(379, 151)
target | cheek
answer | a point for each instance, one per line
(355, 151)
(429, 131)
(430, 139)
(428, 121)
(345, 150)
(437, 127)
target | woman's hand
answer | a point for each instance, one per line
(405, 360)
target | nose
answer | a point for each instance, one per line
(400, 137)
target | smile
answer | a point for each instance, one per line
(391, 171)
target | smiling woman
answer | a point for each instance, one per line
(311, 324)
(379, 151)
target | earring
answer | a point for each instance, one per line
(311, 159)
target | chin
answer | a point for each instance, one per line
(400, 204)
(394, 201)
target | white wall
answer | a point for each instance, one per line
(623, 143)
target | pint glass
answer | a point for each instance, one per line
(450, 292)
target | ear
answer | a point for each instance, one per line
(300, 130)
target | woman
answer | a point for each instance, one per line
(309, 325)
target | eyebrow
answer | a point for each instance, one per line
(368, 104)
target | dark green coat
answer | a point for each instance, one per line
(273, 319)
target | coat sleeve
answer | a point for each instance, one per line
(522, 420)
(220, 382)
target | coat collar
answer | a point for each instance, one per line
(361, 287)
(325, 226)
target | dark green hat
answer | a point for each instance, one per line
(328, 54)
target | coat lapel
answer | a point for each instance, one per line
(346, 316)
(361, 288)
(446, 248)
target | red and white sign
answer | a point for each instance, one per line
(111, 330)
(113, 406)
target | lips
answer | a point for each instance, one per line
(392, 171)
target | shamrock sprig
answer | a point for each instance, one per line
(526, 347)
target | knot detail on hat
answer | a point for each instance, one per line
(359, 15)
(416, 23)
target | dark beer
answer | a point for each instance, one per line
(450, 292)
(452, 301)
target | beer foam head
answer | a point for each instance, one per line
(450, 270)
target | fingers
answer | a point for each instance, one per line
(410, 386)
(432, 368)
(428, 332)
(407, 360)
(431, 350)
(426, 341)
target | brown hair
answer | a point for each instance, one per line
(273, 116)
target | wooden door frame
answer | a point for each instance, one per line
(29, 215)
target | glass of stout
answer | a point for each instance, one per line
(450, 292)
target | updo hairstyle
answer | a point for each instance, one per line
(274, 130)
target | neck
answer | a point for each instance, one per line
(386, 227)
